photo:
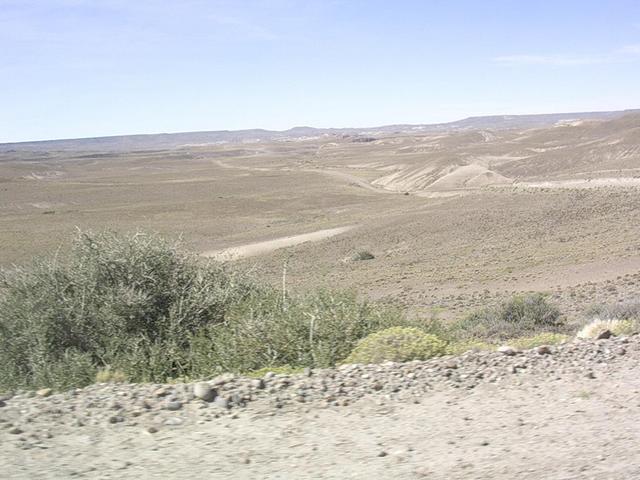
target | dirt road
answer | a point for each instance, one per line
(253, 249)
(572, 414)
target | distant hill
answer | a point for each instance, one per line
(175, 140)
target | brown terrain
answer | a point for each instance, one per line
(457, 217)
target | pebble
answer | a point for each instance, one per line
(173, 421)
(258, 383)
(173, 405)
(332, 388)
(204, 391)
(44, 392)
(507, 350)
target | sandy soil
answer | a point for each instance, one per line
(583, 183)
(457, 242)
(253, 249)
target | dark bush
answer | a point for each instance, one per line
(519, 316)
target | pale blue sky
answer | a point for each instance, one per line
(77, 68)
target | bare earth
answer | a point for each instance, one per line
(532, 416)
(253, 249)
(456, 219)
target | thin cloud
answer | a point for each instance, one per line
(626, 53)
(630, 49)
(556, 60)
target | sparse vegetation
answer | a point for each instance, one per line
(127, 303)
(138, 308)
(545, 338)
(362, 255)
(629, 310)
(397, 344)
(614, 325)
(460, 347)
(519, 316)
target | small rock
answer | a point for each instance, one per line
(173, 421)
(507, 350)
(116, 419)
(258, 383)
(204, 391)
(382, 453)
(221, 402)
(604, 335)
(173, 406)
(161, 392)
(590, 375)
(543, 350)
(152, 429)
(44, 392)
(15, 431)
(2, 403)
(222, 379)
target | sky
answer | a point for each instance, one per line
(81, 68)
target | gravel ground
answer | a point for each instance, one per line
(561, 412)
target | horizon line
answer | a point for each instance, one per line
(122, 135)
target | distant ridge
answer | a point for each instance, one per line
(176, 140)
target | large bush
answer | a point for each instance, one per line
(397, 344)
(126, 302)
(520, 316)
(138, 308)
(315, 330)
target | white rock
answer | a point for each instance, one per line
(507, 350)
(204, 391)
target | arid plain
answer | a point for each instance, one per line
(456, 218)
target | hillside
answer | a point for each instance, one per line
(193, 139)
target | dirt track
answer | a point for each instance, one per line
(258, 248)
(573, 414)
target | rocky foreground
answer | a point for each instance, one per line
(566, 411)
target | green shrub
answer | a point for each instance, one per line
(460, 347)
(128, 302)
(545, 338)
(519, 316)
(281, 370)
(615, 326)
(629, 310)
(315, 330)
(362, 255)
(139, 306)
(397, 344)
(106, 375)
